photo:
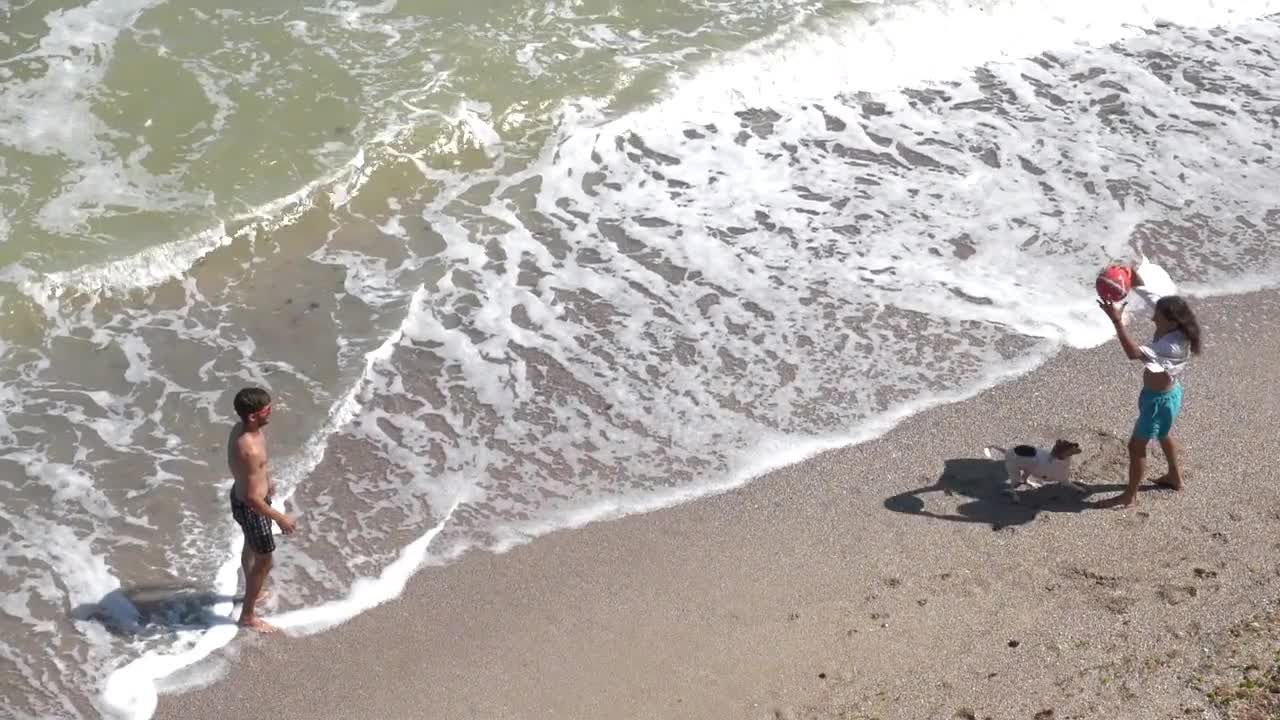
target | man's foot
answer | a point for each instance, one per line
(1122, 500)
(259, 625)
(1169, 481)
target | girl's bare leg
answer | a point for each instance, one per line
(1137, 468)
(1173, 478)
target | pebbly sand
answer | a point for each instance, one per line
(886, 580)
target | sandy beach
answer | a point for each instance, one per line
(608, 347)
(886, 580)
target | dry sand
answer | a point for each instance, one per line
(886, 580)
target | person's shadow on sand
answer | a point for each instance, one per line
(152, 610)
(983, 481)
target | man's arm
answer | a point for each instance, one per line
(254, 461)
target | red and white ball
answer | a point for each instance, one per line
(1113, 283)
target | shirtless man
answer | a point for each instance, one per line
(251, 499)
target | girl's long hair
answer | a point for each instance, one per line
(1178, 312)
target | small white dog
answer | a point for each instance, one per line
(1026, 463)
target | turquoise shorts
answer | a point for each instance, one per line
(1156, 412)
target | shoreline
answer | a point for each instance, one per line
(841, 584)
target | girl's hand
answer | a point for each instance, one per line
(1112, 310)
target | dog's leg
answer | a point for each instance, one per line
(1069, 482)
(1013, 477)
(1012, 473)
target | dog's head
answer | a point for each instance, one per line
(1064, 449)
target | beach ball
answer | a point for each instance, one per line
(1113, 283)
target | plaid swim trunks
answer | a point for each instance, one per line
(257, 528)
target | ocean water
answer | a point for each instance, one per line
(509, 267)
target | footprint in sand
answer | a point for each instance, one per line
(1110, 582)
(1176, 594)
(1104, 590)
(1119, 604)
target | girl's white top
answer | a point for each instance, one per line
(1170, 352)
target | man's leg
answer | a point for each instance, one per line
(254, 581)
(246, 565)
(246, 562)
(261, 545)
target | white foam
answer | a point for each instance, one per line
(341, 184)
(394, 226)
(142, 270)
(129, 692)
(891, 45)
(83, 574)
(63, 569)
(51, 114)
(472, 123)
(773, 453)
(1244, 284)
(367, 278)
(351, 14)
(69, 484)
(169, 261)
(365, 593)
(1040, 291)
(341, 414)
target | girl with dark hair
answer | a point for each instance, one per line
(1177, 338)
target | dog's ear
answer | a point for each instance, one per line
(1065, 448)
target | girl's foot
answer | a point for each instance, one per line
(1122, 500)
(1168, 480)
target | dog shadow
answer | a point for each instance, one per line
(984, 483)
(154, 610)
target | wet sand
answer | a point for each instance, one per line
(887, 580)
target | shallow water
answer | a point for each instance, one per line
(508, 269)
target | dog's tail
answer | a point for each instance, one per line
(991, 451)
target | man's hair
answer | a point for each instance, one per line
(250, 400)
